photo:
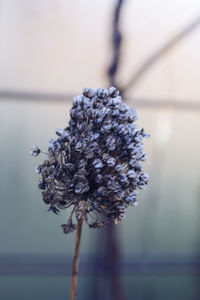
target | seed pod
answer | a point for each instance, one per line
(93, 165)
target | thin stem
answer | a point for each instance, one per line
(76, 259)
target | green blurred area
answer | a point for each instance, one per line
(165, 225)
(144, 287)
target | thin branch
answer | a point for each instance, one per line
(112, 259)
(34, 96)
(112, 255)
(116, 43)
(76, 259)
(160, 53)
(48, 97)
(164, 103)
(59, 265)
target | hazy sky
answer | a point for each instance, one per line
(65, 45)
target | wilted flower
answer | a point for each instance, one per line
(93, 165)
(35, 151)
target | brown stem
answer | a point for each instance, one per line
(76, 259)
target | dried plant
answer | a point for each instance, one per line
(94, 164)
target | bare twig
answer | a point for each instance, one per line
(112, 255)
(165, 103)
(49, 97)
(116, 43)
(138, 74)
(113, 263)
(76, 259)
(21, 95)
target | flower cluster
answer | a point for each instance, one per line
(94, 163)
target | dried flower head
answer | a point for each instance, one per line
(94, 163)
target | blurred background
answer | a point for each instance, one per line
(49, 51)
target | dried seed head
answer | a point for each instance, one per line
(93, 165)
(35, 151)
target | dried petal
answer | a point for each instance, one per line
(35, 151)
(93, 165)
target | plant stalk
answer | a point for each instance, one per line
(76, 259)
